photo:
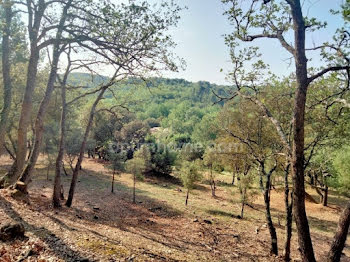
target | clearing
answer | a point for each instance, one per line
(102, 226)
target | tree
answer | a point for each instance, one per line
(210, 160)
(147, 48)
(249, 128)
(118, 162)
(136, 167)
(340, 236)
(267, 19)
(39, 122)
(189, 176)
(6, 67)
(245, 186)
(59, 165)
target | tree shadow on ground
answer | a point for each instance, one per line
(218, 212)
(322, 224)
(55, 244)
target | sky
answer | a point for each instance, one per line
(200, 39)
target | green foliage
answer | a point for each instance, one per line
(189, 174)
(162, 160)
(341, 164)
(136, 166)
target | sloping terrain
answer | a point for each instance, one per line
(102, 226)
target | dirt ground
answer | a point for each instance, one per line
(101, 226)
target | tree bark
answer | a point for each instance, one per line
(39, 123)
(212, 182)
(112, 190)
(187, 194)
(26, 110)
(233, 178)
(325, 198)
(6, 69)
(340, 236)
(289, 216)
(271, 227)
(304, 238)
(243, 202)
(82, 147)
(134, 191)
(57, 188)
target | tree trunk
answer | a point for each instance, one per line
(48, 171)
(233, 178)
(289, 216)
(6, 68)
(26, 111)
(56, 197)
(112, 190)
(272, 230)
(134, 191)
(39, 123)
(213, 188)
(82, 147)
(212, 182)
(243, 202)
(325, 197)
(318, 191)
(340, 236)
(188, 192)
(304, 238)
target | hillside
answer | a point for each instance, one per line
(108, 227)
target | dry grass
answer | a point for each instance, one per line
(159, 227)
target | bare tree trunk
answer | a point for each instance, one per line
(48, 171)
(243, 202)
(39, 123)
(340, 236)
(213, 188)
(187, 194)
(325, 198)
(112, 190)
(212, 182)
(82, 147)
(304, 238)
(6, 69)
(134, 191)
(272, 230)
(289, 216)
(57, 188)
(26, 111)
(318, 191)
(233, 178)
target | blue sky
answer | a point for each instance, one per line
(200, 40)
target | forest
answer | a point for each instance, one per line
(103, 158)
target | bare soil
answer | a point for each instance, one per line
(102, 226)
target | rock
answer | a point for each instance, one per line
(95, 217)
(207, 221)
(96, 208)
(195, 220)
(79, 216)
(11, 231)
